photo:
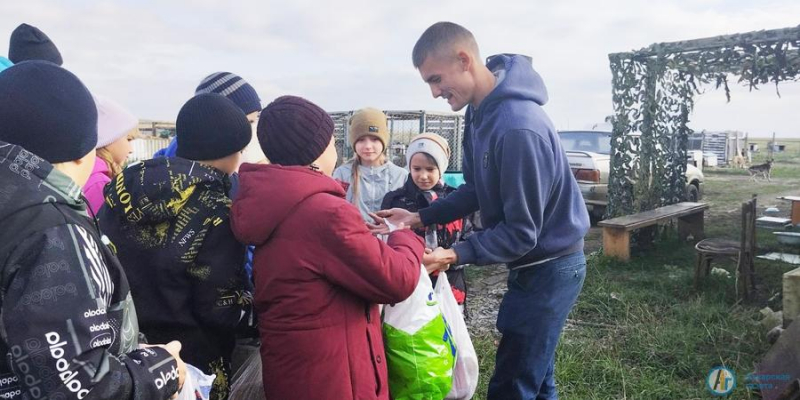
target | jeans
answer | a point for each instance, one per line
(531, 317)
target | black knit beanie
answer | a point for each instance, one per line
(294, 131)
(29, 43)
(209, 127)
(48, 111)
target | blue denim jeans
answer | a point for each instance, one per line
(532, 315)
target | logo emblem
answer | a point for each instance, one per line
(721, 381)
(431, 301)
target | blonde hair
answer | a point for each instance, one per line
(113, 168)
(104, 154)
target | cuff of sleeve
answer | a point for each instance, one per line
(162, 367)
(426, 217)
(465, 252)
(408, 234)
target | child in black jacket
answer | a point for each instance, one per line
(68, 327)
(169, 220)
(427, 158)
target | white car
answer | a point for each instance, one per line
(589, 158)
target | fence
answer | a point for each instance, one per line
(143, 148)
(161, 129)
(403, 126)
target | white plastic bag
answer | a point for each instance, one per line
(419, 354)
(466, 373)
(248, 382)
(197, 385)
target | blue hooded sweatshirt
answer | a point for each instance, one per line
(5, 63)
(517, 174)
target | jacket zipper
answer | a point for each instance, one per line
(372, 352)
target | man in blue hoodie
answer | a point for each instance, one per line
(532, 211)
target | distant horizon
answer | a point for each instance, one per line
(785, 136)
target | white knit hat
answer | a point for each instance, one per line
(113, 121)
(433, 145)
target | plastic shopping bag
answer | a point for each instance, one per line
(419, 353)
(197, 385)
(466, 373)
(248, 382)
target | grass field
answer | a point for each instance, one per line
(643, 332)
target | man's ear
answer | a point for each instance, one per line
(465, 58)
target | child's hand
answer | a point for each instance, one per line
(383, 226)
(174, 349)
(379, 227)
(439, 259)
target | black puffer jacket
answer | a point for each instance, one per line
(68, 325)
(168, 218)
(410, 197)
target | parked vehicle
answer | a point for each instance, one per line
(589, 154)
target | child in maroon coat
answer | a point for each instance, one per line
(427, 158)
(319, 273)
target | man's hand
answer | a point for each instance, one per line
(439, 259)
(397, 216)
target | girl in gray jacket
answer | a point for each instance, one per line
(369, 174)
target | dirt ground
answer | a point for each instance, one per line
(487, 286)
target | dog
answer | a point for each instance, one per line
(764, 170)
(739, 161)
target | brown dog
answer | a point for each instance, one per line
(739, 161)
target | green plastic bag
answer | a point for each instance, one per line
(420, 352)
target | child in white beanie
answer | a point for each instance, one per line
(116, 127)
(427, 158)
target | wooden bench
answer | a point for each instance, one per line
(795, 207)
(617, 231)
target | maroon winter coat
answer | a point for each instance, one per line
(319, 274)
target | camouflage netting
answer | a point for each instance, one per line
(653, 94)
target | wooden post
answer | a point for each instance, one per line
(771, 149)
(742, 266)
(617, 243)
(795, 212)
(692, 224)
(747, 147)
(701, 269)
(791, 296)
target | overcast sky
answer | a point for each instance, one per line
(150, 55)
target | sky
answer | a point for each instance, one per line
(344, 55)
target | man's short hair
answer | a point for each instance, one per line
(441, 36)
